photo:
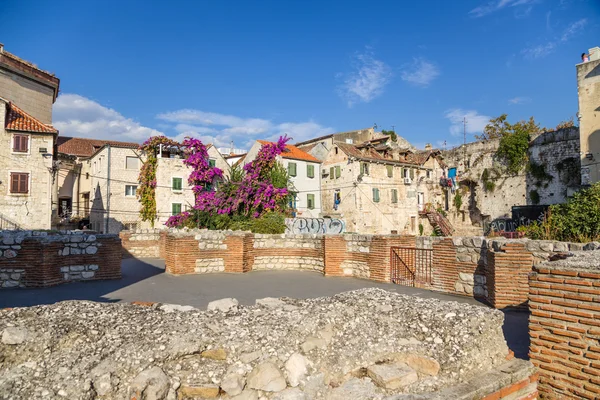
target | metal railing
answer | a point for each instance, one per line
(411, 266)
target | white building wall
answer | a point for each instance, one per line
(304, 186)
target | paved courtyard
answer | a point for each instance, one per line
(145, 280)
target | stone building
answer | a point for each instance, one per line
(26, 144)
(115, 168)
(376, 188)
(588, 89)
(304, 171)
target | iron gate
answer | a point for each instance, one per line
(411, 266)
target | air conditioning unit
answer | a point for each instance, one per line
(407, 181)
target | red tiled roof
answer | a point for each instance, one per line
(370, 154)
(19, 120)
(294, 153)
(86, 147)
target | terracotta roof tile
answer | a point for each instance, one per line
(86, 147)
(370, 154)
(19, 120)
(294, 153)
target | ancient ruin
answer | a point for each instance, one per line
(365, 344)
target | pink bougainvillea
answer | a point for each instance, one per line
(251, 197)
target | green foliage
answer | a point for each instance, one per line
(442, 211)
(513, 151)
(391, 134)
(538, 171)
(270, 222)
(279, 176)
(578, 220)
(534, 196)
(236, 173)
(488, 184)
(499, 127)
(457, 200)
(421, 229)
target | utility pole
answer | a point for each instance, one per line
(465, 142)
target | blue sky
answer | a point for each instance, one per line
(224, 70)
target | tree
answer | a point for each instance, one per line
(391, 134)
(500, 127)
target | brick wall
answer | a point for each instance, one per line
(143, 244)
(564, 327)
(508, 275)
(39, 261)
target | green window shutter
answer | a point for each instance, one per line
(310, 201)
(212, 163)
(176, 208)
(310, 171)
(376, 195)
(331, 174)
(338, 171)
(292, 169)
(394, 196)
(364, 168)
(390, 171)
(177, 183)
(412, 174)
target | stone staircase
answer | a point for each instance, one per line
(439, 223)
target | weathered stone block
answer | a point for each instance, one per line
(392, 376)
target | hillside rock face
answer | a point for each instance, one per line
(364, 344)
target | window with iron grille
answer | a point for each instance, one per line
(20, 143)
(19, 182)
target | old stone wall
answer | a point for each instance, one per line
(588, 90)
(300, 251)
(556, 155)
(144, 243)
(37, 259)
(564, 326)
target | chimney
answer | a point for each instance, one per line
(594, 53)
(428, 147)
(1, 48)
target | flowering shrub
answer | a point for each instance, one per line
(202, 175)
(178, 220)
(146, 192)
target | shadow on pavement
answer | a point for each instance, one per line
(516, 332)
(133, 271)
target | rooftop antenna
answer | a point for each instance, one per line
(374, 126)
(393, 128)
(231, 149)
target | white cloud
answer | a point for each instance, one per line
(221, 129)
(543, 50)
(78, 116)
(420, 72)
(497, 5)
(519, 100)
(475, 121)
(367, 81)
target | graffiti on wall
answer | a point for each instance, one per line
(521, 216)
(314, 225)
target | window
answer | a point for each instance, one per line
(131, 163)
(331, 173)
(405, 172)
(375, 195)
(338, 172)
(175, 208)
(212, 163)
(428, 174)
(19, 182)
(20, 143)
(394, 195)
(130, 190)
(336, 150)
(177, 184)
(390, 171)
(364, 168)
(310, 201)
(412, 173)
(292, 169)
(310, 171)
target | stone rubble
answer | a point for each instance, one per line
(340, 347)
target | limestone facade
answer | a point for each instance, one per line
(588, 89)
